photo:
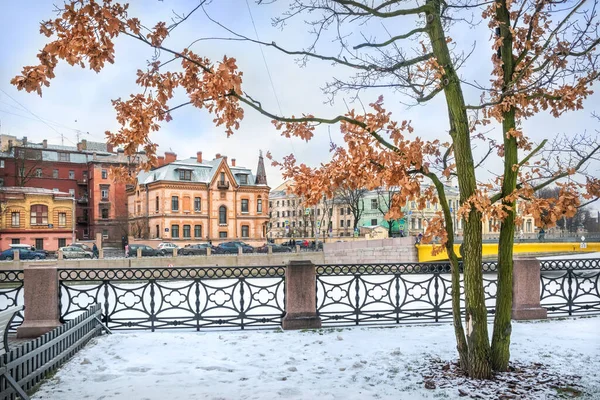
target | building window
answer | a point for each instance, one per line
(64, 157)
(175, 231)
(72, 192)
(156, 204)
(175, 203)
(222, 177)
(300, 224)
(270, 204)
(222, 235)
(348, 211)
(278, 203)
(105, 213)
(15, 218)
(245, 231)
(104, 174)
(15, 241)
(139, 208)
(412, 223)
(331, 211)
(187, 231)
(259, 206)
(71, 174)
(244, 205)
(185, 175)
(373, 204)
(39, 214)
(278, 224)
(39, 244)
(277, 214)
(104, 194)
(341, 223)
(222, 215)
(62, 242)
(420, 223)
(197, 231)
(348, 223)
(428, 204)
(38, 173)
(413, 205)
(293, 213)
(1, 182)
(342, 211)
(318, 211)
(244, 179)
(55, 174)
(55, 190)
(373, 222)
(105, 233)
(197, 204)
(157, 231)
(1, 163)
(293, 224)
(62, 219)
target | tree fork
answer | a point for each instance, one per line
(476, 314)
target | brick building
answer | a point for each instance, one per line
(195, 200)
(83, 171)
(40, 217)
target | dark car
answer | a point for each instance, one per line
(232, 248)
(196, 249)
(275, 248)
(147, 251)
(24, 254)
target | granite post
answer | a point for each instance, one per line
(526, 290)
(40, 291)
(300, 296)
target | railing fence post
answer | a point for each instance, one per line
(300, 296)
(526, 290)
(570, 291)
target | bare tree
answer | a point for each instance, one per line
(353, 199)
(384, 205)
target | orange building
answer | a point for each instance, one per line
(195, 200)
(39, 217)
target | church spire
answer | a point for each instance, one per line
(261, 175)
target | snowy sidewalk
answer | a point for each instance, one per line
(354, 363)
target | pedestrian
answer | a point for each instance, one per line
(95, 251)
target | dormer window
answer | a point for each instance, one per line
(222, 177)
(243, 179)
(185, 175)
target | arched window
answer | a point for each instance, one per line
(222, 215)
(39, 214)
(259, 206)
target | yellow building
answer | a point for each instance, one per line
(194, 200)
(39, 217)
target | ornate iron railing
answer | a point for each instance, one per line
(11, 294)
(32, 361)
(570, 287)
(391, 293)
(162, 298)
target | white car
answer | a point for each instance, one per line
(167, 248)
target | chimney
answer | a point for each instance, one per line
(84, 144)
(233, 162)
(10, 144)
(79, 146)
(199, 157)
(161, 161)
(170, 157)
(45, 143)
(109, 148)
(218, 156)
(225, 158)
(24, 140)
(95, 157)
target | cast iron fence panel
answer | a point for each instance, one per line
(360, 294)
(29, 363)
(11, 294)
(167, 298)
(570, 287)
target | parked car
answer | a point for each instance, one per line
(167, 248)
(275, 248)
(81, 245)
(24, 254)
(76, 252)
(232, 248)
(198, 249)
(27, 247)
(147, 251)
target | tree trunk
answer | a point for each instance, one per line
(502, 319)
(475, 313)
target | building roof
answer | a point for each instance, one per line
(32, 190)
(203, 172)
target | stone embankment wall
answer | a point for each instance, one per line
(393, 250)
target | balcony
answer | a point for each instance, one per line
(223, 184)
(82, 181)
(82, 200)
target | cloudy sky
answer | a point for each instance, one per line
(79, 100)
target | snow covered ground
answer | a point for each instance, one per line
(353, 363)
